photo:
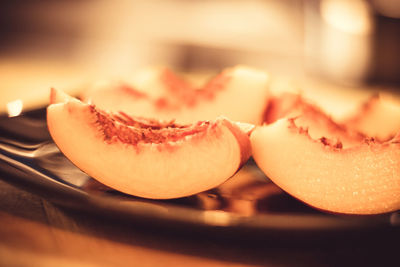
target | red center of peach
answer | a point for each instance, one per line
(324, 140)
(182, 93)
(128, 130)
(132, 91)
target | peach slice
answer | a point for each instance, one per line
(144, 157)
(239, 93)
(310, 117)
(58, 96)
(379, 117)
(284, 105)
(362, 179)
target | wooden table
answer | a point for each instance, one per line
(35, 232)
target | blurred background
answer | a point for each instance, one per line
(65, 43)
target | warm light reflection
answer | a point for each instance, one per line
(348, 16)
(14, 108)
(346, 40)
(121, 36)
(216, 218)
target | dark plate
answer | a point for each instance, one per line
(248, 205)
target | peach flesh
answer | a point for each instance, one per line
(181, 93)
(378, 118)
(363, 179)
(167, 96)
(127, 130)
(312, 118)
(145, 158)
(284, 105)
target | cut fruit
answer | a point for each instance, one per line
(144, 157)
(58, 96)
(310, 117)
(379, 117)
(238, 93)
(284, 105)
(363, 179)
